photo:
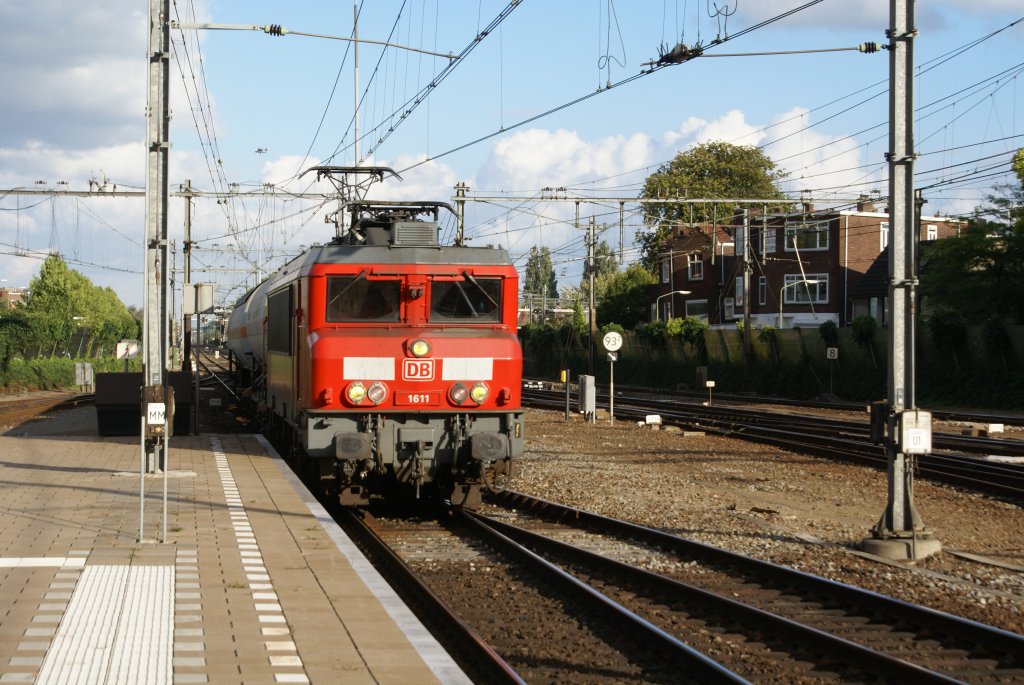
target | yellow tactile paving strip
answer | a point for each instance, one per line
(261, 592)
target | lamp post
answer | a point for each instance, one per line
(657, 310)
(789, 285)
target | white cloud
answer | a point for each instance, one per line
(834, 15)
(536, 158)
(76, 73)
(865, 15)
(731, 127)
(821, 163)
(36, 160)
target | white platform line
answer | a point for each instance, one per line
(432, 653)
(270, 614)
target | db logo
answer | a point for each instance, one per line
(418, 369)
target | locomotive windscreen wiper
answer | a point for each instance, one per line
(362, 275)
(469, 277)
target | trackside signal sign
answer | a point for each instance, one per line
(417, 369)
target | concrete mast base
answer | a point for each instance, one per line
(902, 549)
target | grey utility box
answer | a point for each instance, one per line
(588, 395)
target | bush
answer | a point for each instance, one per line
(997, 340)
(54, 373)
(948, 328)
(655, 332)
(690, 330)
(864, 328)
(829, 333)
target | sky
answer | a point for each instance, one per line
(251, 111)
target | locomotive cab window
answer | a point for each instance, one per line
(467, 300)
(355, 299)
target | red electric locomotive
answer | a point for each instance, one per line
(392, 361)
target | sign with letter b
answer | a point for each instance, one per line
(418, 369)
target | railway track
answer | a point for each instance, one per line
(539, 592)
(833, 438)
(846, 632)
(957, 415)
(533, 629)
(19, 410)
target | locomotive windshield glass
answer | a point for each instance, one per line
(469, 300)
(352, 299)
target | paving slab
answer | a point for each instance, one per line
(246, 580)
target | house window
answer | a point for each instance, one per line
(769, 241)
(762, 290)
(738, 291)
(932, 232)
(666, 270)
(883, 236)
(798, 291)
(697, 309)
(807, 236)
(695, 266)
(730, 309)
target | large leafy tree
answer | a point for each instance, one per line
(624, 300)
(59, 297)
(539, 277)
(63, 300)
(709, 170)
(979, 275)
(606, 266)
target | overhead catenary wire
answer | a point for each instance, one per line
(653, 68)
(924, 67)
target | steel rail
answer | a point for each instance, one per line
(991, 477)
(490, 664)
(215, 377)
(673, 648)
(959, 630)
(833, 441)
(805, 422)
(967, 416)
(21, 410)
(865, 658)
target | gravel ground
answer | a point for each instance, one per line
(797, 510)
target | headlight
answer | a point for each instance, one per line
(356, 393)
(479, 393)
(377, 393)
(458, 393)
(419, 348)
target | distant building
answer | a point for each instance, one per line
(13, 296)
(810, 266)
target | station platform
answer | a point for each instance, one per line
(254, 584)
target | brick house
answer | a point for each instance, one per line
(807, 267)
(13, 296)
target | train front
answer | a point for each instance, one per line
(416, 373)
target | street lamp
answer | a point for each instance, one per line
(657, 310)
(789, 285)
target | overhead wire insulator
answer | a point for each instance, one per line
(868, 48)
(275, 30)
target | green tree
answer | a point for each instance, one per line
(15, 332)
(539, 277)
(64, 300)
(625, 298)
(59, 295)
(606, 266)
(710, 170)
(980, 273)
